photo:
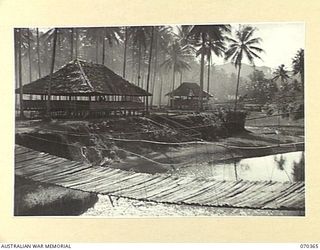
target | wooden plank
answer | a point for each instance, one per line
(148, 191)
(141, 189)
(214, 193)
(182, 189)
(243, 198)
(36, 167)
(39, 167)
(45, 160)
(21, 150)
(159, 187)
(28, 159)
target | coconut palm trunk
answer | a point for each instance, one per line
(237, 89)
(208, 83)
(103, 49)
(71, 44)
(38, 53)
(133, 66)
(97, 51)
(125, 52)
(160, 90)
(155, 67)
(173, 83)
(200, 105)
(76, 44)
(20, 76)
(149, 69)
(139, 64)
(16, 63)
(51, 72)
(29, 55)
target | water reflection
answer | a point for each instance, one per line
(279, 167)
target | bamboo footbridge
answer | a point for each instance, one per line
(163, 188)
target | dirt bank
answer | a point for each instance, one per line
(127, 143)
(39, 199)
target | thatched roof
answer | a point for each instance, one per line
(83, 78)
(188, 89)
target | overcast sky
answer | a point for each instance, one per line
(280, 41)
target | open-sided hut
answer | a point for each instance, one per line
(84, 89)
(186, 96)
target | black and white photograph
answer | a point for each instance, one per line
(160, 120)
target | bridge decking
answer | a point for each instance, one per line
(166, 188)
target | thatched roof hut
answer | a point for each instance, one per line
(188, 89)
(82, 89)
(83, 78)
(186, 96)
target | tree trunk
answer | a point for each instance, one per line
(180, 77)
(20, 76)
(237, 90)
(103, 50)
(208, 83)
(139, 64)
(160, 91)
(71, 44)
(29, 56)
(200, 105)
(51, 72)
(97, 51)
(133, 66)
(155, 67)
(38, 53)
(173, 83)
(149, 68)
(125, 52)
(16, 63)
(76, 44)
(45, 58)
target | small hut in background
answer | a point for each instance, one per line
(186, 96)
(82, 89)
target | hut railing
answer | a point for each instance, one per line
(62, 105)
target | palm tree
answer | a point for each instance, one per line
(55, 34)
(62, 35)
(139, 36)
(212, 47)
(163, 35)
(29, 38)
(125, 51)
(149, 67)
(177, 59)
(201, 34)
(243, 45)
(77, 39)
(71, 43)
(38, 52)
(184, 38)
(95, 35)
(298, 64)
(282, 74)
(19, 44)
(112, 35)
(26, 38)
(156, 38)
